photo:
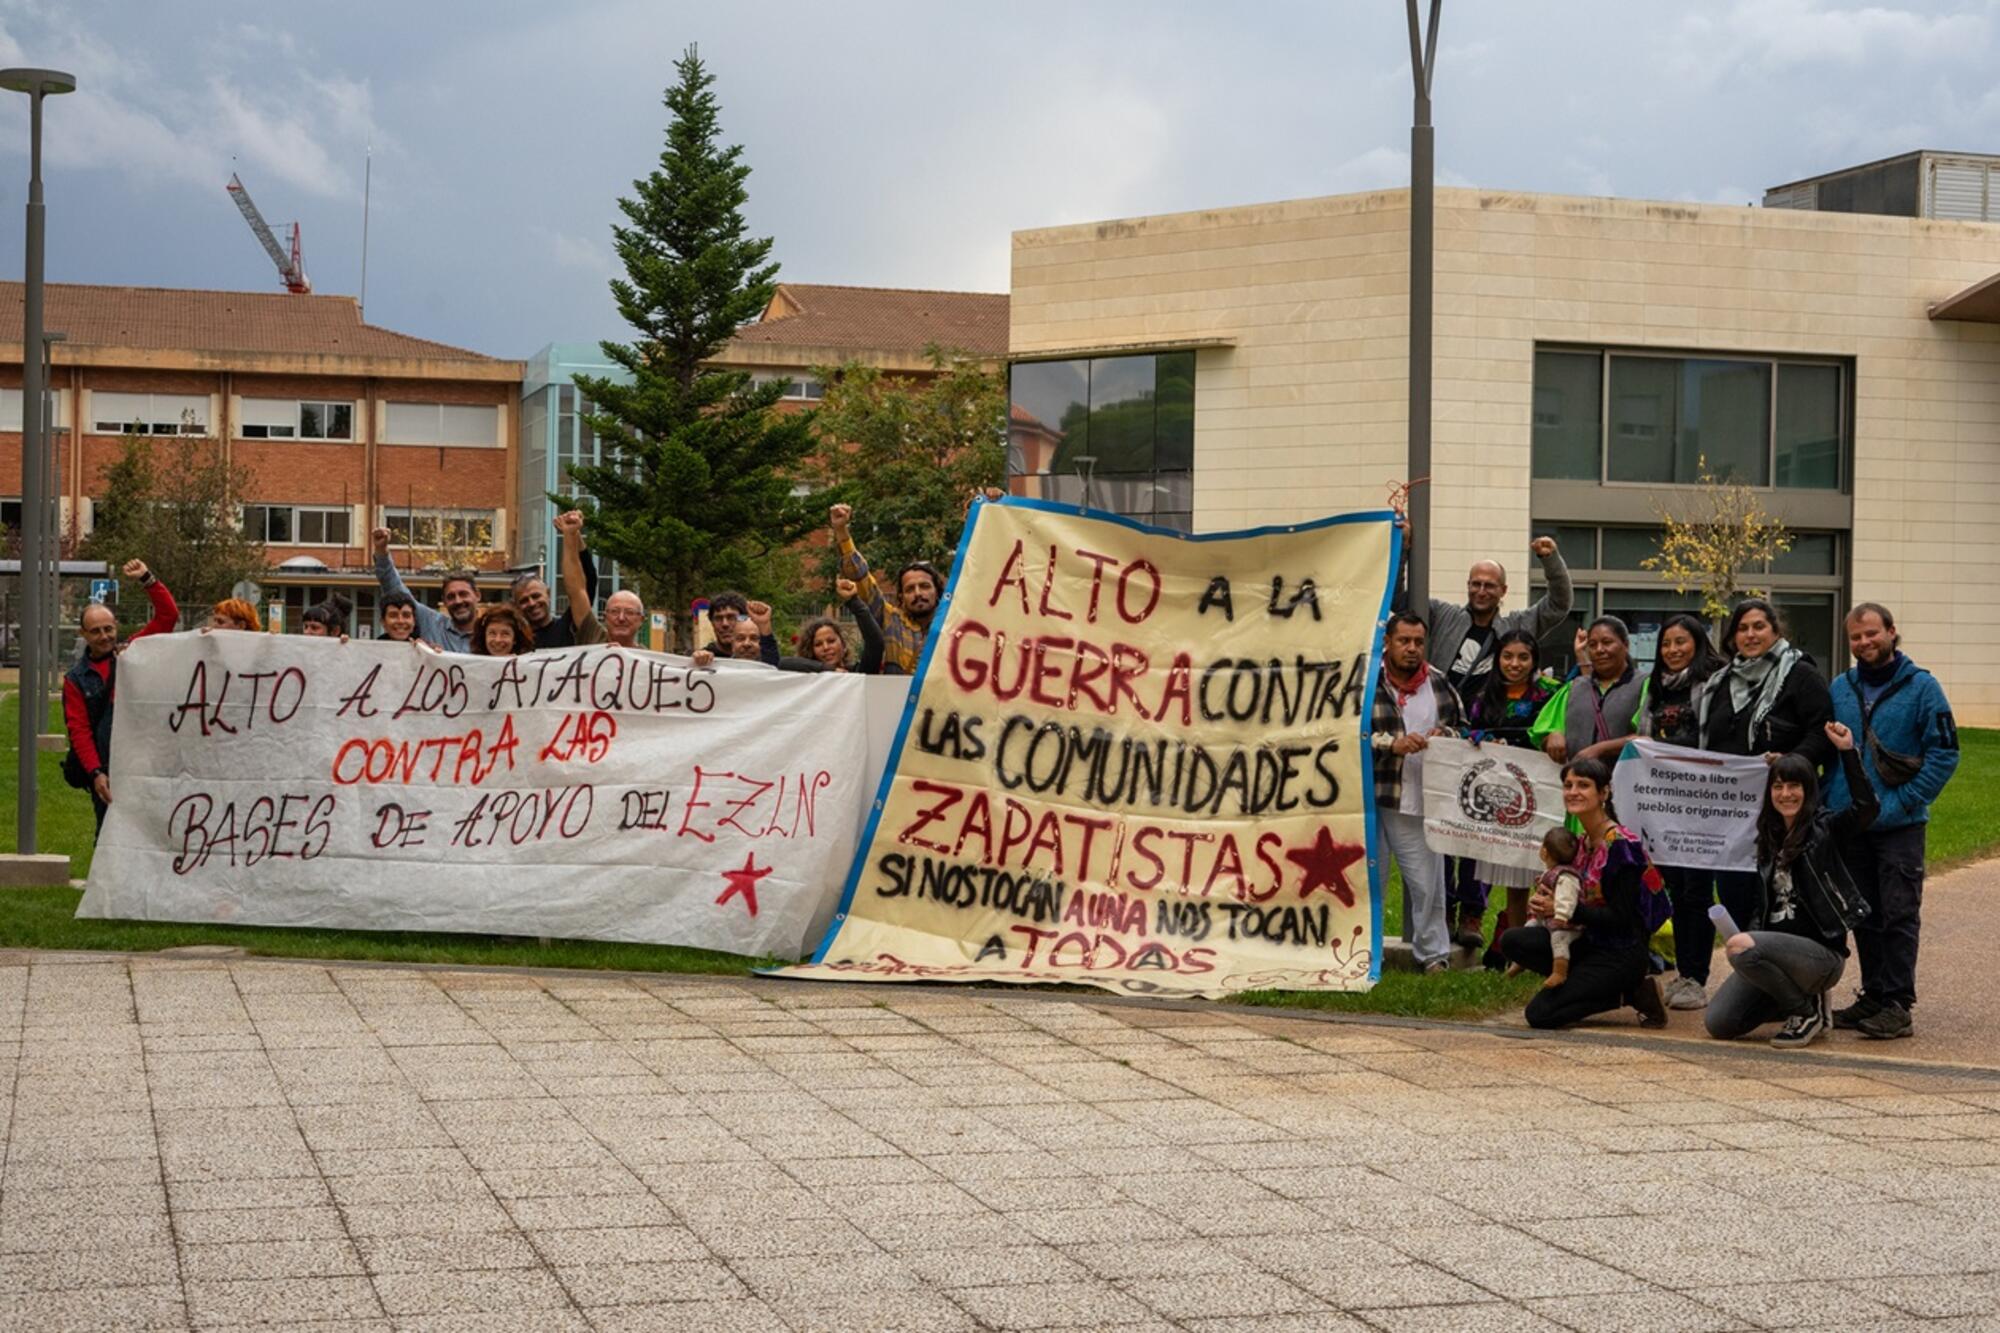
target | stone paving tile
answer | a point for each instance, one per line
(490, 1150)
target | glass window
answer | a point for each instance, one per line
(149, 413)
(1811, 553)
(442, 423)
(1121, 414)
(1627, 548)
(277, 524)
(1578, 545)
(1809, 411)
(1809, 625)
(1668, 416)
(312, 421)
(1049, 414)
(1569, 393)
(1173, 421)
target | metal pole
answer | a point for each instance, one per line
(32, 449)
(1423, 60)
(52, 533)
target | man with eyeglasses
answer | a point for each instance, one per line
(1463, 638)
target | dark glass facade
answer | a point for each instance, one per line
(1121, 425)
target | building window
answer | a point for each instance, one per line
(1604, 563)
(291, 419)
(10, 409)
(298, 525)
(1121, 425)
(1639, 418)
(148, 413)
(447, 528)
(796, 386)
(442, 423)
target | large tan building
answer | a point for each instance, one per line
(1589, 354)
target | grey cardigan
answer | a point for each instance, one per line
(1450, 623)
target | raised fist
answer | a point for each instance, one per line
(1543, 547)
(846, 588)
(570, 522)
(135, 569)
(760, 616)
(379, 539)
(838, 516)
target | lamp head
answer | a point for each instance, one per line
(32, 81)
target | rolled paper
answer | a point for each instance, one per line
(1725, 925)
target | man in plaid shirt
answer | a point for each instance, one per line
(1413, 702)
(905, 624)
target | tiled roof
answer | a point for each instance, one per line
(182, 320)
(880, 319)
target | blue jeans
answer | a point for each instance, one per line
(1778, 976)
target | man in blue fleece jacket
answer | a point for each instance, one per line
(1908, 745)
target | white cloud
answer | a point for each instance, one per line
(1780, 35)
(576, 252)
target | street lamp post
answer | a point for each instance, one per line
(37, 84)
(1423, 63)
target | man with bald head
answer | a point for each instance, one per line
(1465, 639)
(90, 685)
(622, 613)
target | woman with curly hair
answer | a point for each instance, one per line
(502, 631)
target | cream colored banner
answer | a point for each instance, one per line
(1135, 759)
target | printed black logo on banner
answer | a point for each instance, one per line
(1496, 792)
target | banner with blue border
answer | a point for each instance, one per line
(1133, 758)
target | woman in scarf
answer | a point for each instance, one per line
(1788, 957)
(1670, 712)
(1500, 714)
(1770, 700)
(1608, 964)
(1593, 715)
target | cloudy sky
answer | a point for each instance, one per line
(898, 144)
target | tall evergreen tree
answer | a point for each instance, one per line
(696, 489)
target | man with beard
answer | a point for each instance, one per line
(1908, 747)
(918, 587)
(450, 629)
(1413, 703)
(531, 595)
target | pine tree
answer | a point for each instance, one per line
(696, 490)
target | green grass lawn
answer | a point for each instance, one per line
(1964, 826)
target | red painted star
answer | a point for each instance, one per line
(744, 881)
(1325, 865)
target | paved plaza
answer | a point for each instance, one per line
(208, 1142)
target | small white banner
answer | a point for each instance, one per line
(1492, 802)
(1691, 808)
(585, 793)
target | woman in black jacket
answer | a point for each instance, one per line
(1789, 956)
(1670, 712)
(1769, 700)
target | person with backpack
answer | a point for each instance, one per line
(1787, 959)
(1907, 751)
(90, 687)
(1623, 904)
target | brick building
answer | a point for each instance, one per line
(340, 425)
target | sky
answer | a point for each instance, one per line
(899, 144)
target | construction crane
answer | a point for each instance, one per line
(292, 268)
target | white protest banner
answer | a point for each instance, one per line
(1493, 802)
(586, 793)
(1689, 807)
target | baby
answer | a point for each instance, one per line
(1559, 849)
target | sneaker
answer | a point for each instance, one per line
(1646, 999)
(1815, 1024)
(1865, 1006)
(1470, 939)
(1892, 1020)
(1687, 993)
(1431, 969)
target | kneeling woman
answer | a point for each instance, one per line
(1785, 963)
(1608, 965)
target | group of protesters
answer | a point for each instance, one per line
(1854, 766)
(1853, 769)
(739, 630)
